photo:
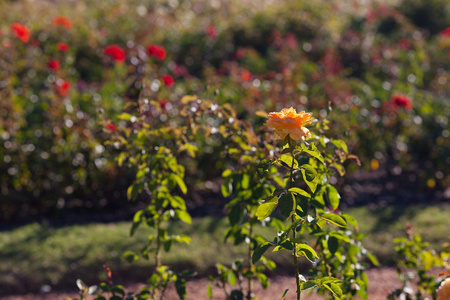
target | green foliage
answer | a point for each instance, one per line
(416, 255)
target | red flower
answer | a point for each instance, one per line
(53, 64)
(21, 31)
(157, 52)
(212, 32)
(115, 52)
(445, 33)
(246, 75)
(62, 87)
(400, 100)
(404, 44)
(63, 21)
(111, 127)
(63, 47)
(168, 80)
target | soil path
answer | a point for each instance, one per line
(381, 281)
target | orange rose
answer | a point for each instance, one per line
(288, 121)
(443, 291)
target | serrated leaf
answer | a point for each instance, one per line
(286, 204)
(351, 220)
(313, 152)
(334, 289)
(334, 219)
(287, 244)
(310, 176)
(308, 285)
(340, 236)
(259, 251)
(333, 196)
(341, 145)
(264, 210)
(307, 251)
(288, 160)
(263, 167)
(299, 192)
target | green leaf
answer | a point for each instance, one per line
(263, 167)
(313, 152)
(284, 293)
(231, 277)
(264, 210)
(235, 214)
(263, 280)
(307, 251)
(180, 286)
(334, 219)
(287, 244)
(334, 289)
(226, 187)
(288, 160)
(340, 236)
(130, 256)
(308, 285)
(333, 197)
(124, 116)
(310, 176)
(259, 251)
(181, 238)
(340, 144)
(209, 289)
(299, 192)
(286, 204)
(350, 220)
(190, 149)
(373, 259)
(245, 182)
(333, 244)
(183, 216)
(180, 183)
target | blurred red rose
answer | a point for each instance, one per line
(157, 52)
(445, 33)
(53, 64)
(63, 47)
(111, 127)
(62, 21)
(404, 44)
(168, 80)
(62, 87)
(115, 52)
(400, 100)
(212, 32)
(246, 75)
(21, 31)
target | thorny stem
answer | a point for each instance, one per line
(250, 254)
(297, 273)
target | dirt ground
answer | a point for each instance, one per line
(381, 281)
